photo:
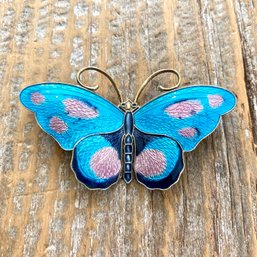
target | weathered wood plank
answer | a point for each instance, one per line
(211, 211)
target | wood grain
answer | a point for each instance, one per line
(211, 211)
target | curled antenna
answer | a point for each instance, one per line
(94, 88)
(160, 87)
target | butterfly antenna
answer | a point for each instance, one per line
(160, 87)
(94, 88)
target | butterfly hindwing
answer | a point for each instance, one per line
(158, 161)
(69, 113)
(187, 115)
(97, 160)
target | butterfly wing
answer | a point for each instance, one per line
(180, 120)
(77, 118)
(158, 161)
(97, 160)
(186, 115)
(69, 113)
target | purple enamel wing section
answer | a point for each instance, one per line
(215, 101)
(188, 132)
(37, 98)
(58, 125)
(184, 109)
(78, 109)
(105, 162)
(150, 162)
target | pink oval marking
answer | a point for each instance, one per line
(184, 109)
(58, 125)
(150, 162)
(37, 98)
(105, 162)
(188, 132)
(79, 109)
(215, 100)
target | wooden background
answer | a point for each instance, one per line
(211, 211)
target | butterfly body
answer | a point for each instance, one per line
(128, 146)
(110, 142)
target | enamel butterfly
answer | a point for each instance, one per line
(127, 141)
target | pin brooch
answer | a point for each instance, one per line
(109, 142)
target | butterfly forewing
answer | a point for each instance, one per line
(187, 115)
(69, 113)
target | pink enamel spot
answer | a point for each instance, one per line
(215, 100)
(184, 109)
(188, 132)
(58, 125)
(37, 98)
(79, 109)
(150, 162)
(105, 162)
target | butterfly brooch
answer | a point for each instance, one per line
(109, 142)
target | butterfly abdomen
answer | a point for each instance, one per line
(128, 146)
(128, 158)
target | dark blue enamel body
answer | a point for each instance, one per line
(128, 143)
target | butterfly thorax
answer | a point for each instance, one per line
(128, 106)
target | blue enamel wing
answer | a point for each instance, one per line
(110, 142)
